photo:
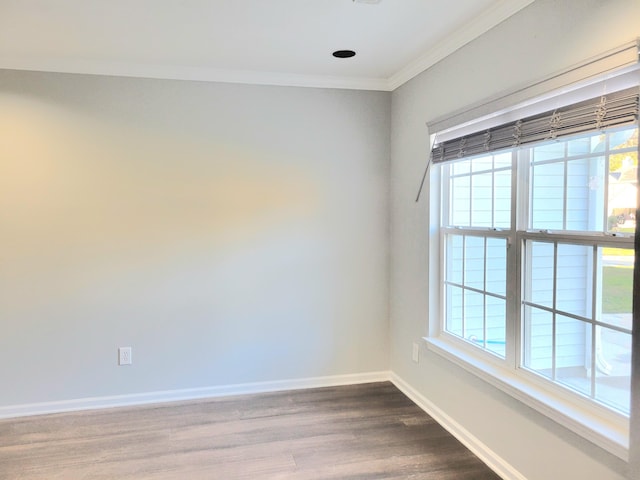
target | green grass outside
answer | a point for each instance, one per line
(617, 287)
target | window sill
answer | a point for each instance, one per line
(611, 435)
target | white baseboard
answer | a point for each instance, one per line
(490, 458)
(13, 411)
(482, 451)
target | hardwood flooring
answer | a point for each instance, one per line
(369, 431)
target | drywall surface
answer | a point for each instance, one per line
(542, 39)
(227, 233)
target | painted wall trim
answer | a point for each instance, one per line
(479, 449)
(199, 74)
(90, 403)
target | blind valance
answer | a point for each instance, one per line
(607, 111)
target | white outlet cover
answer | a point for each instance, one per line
(415, 355)
(124, 356)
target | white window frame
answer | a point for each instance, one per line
(604, 427)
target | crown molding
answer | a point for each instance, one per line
(468, 32)
(203, 74)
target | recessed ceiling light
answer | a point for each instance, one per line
(344, 53)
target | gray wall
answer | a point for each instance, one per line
(545, 37)
(228, 233)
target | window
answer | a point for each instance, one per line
(477, 229)
(578, 276)
(536, 247)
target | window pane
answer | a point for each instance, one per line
(615, 292)
(547, 196)
(577, 349)
(613, 348)
(481, 192)
(454, 258)
(578, 205)
(496, 319)
(585, 194)
(538, 340)
(624, 138)
(539, 282)
(623, 187)
(471, 314)
(461, 168)
(573, 353)
(568, 192)
(613, 368)
(579, 146)
(574, 277)
(502, 198)
(496, 266)
(454, 310)
(548, 151)
(474, 317)
(482, 200)
(474, 262)
(502, 160)
(482, 164)
(622, 206)
(460, 196)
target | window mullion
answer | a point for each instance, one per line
(553, 315)
(484, 297)
(565, 195)
(594, 309)
(464, 311)
(493, 192)
(566, 185)
(514, 260)
(606, 184)
(471, 198)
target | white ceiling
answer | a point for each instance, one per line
(276, 42)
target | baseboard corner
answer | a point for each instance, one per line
(500, 466)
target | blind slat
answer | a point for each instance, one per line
(608, 111)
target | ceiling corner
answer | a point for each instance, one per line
(467, 33)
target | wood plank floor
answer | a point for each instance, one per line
(369, 431)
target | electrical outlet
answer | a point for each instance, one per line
(415, 355)
(124, 356)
